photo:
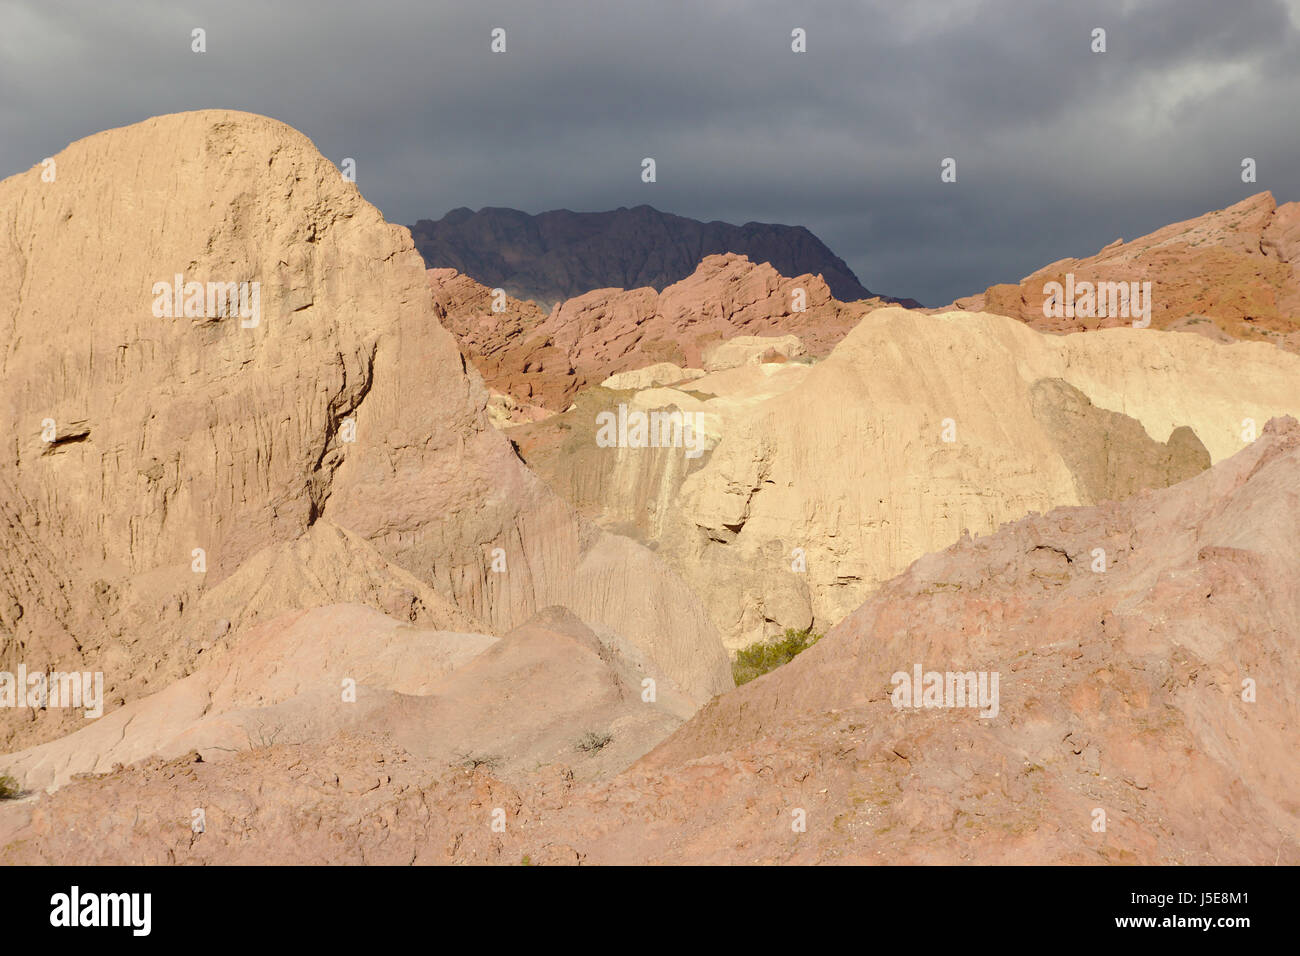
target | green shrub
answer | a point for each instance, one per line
(472, 761)
(592, 741)
(763, 656)
(9, 788)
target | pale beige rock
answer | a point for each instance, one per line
(848, 463)
(327, 565)
(307, 675)
(851, 466)
(505, 410)
(752, 349)
(633, 490)
(283, 683)
(1122, 687)
(652, 376)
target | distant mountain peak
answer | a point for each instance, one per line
(556, 255)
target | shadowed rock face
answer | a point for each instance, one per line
(1120, 691)
(343, 403)
(1110, 455)
(561, 254)
(1233, 273)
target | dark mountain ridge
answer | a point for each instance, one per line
(559, 254)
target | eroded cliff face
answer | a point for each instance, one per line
(234, 516)
(822, 481)
(335, 396)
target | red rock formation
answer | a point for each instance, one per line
(584, 340)
(1233, 272)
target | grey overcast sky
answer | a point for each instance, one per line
(1059, 150)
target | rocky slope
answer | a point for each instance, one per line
(557, 255)
(1230, 274)
(1135, 687)
(449, 697)
(1146, 714)
(168, 481)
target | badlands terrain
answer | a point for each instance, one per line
(367, 583)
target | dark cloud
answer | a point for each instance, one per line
(1059, 150)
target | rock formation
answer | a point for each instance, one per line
(586, 339)
(1231, 273)
(169, 478)
(449, 697)
(820, 482)
(252, 479)
(1129, 683)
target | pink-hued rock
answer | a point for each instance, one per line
(366, 529)
(1238, 267)
(584, 340)
(1121, 688)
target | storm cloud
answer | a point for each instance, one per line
(1059, 149)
